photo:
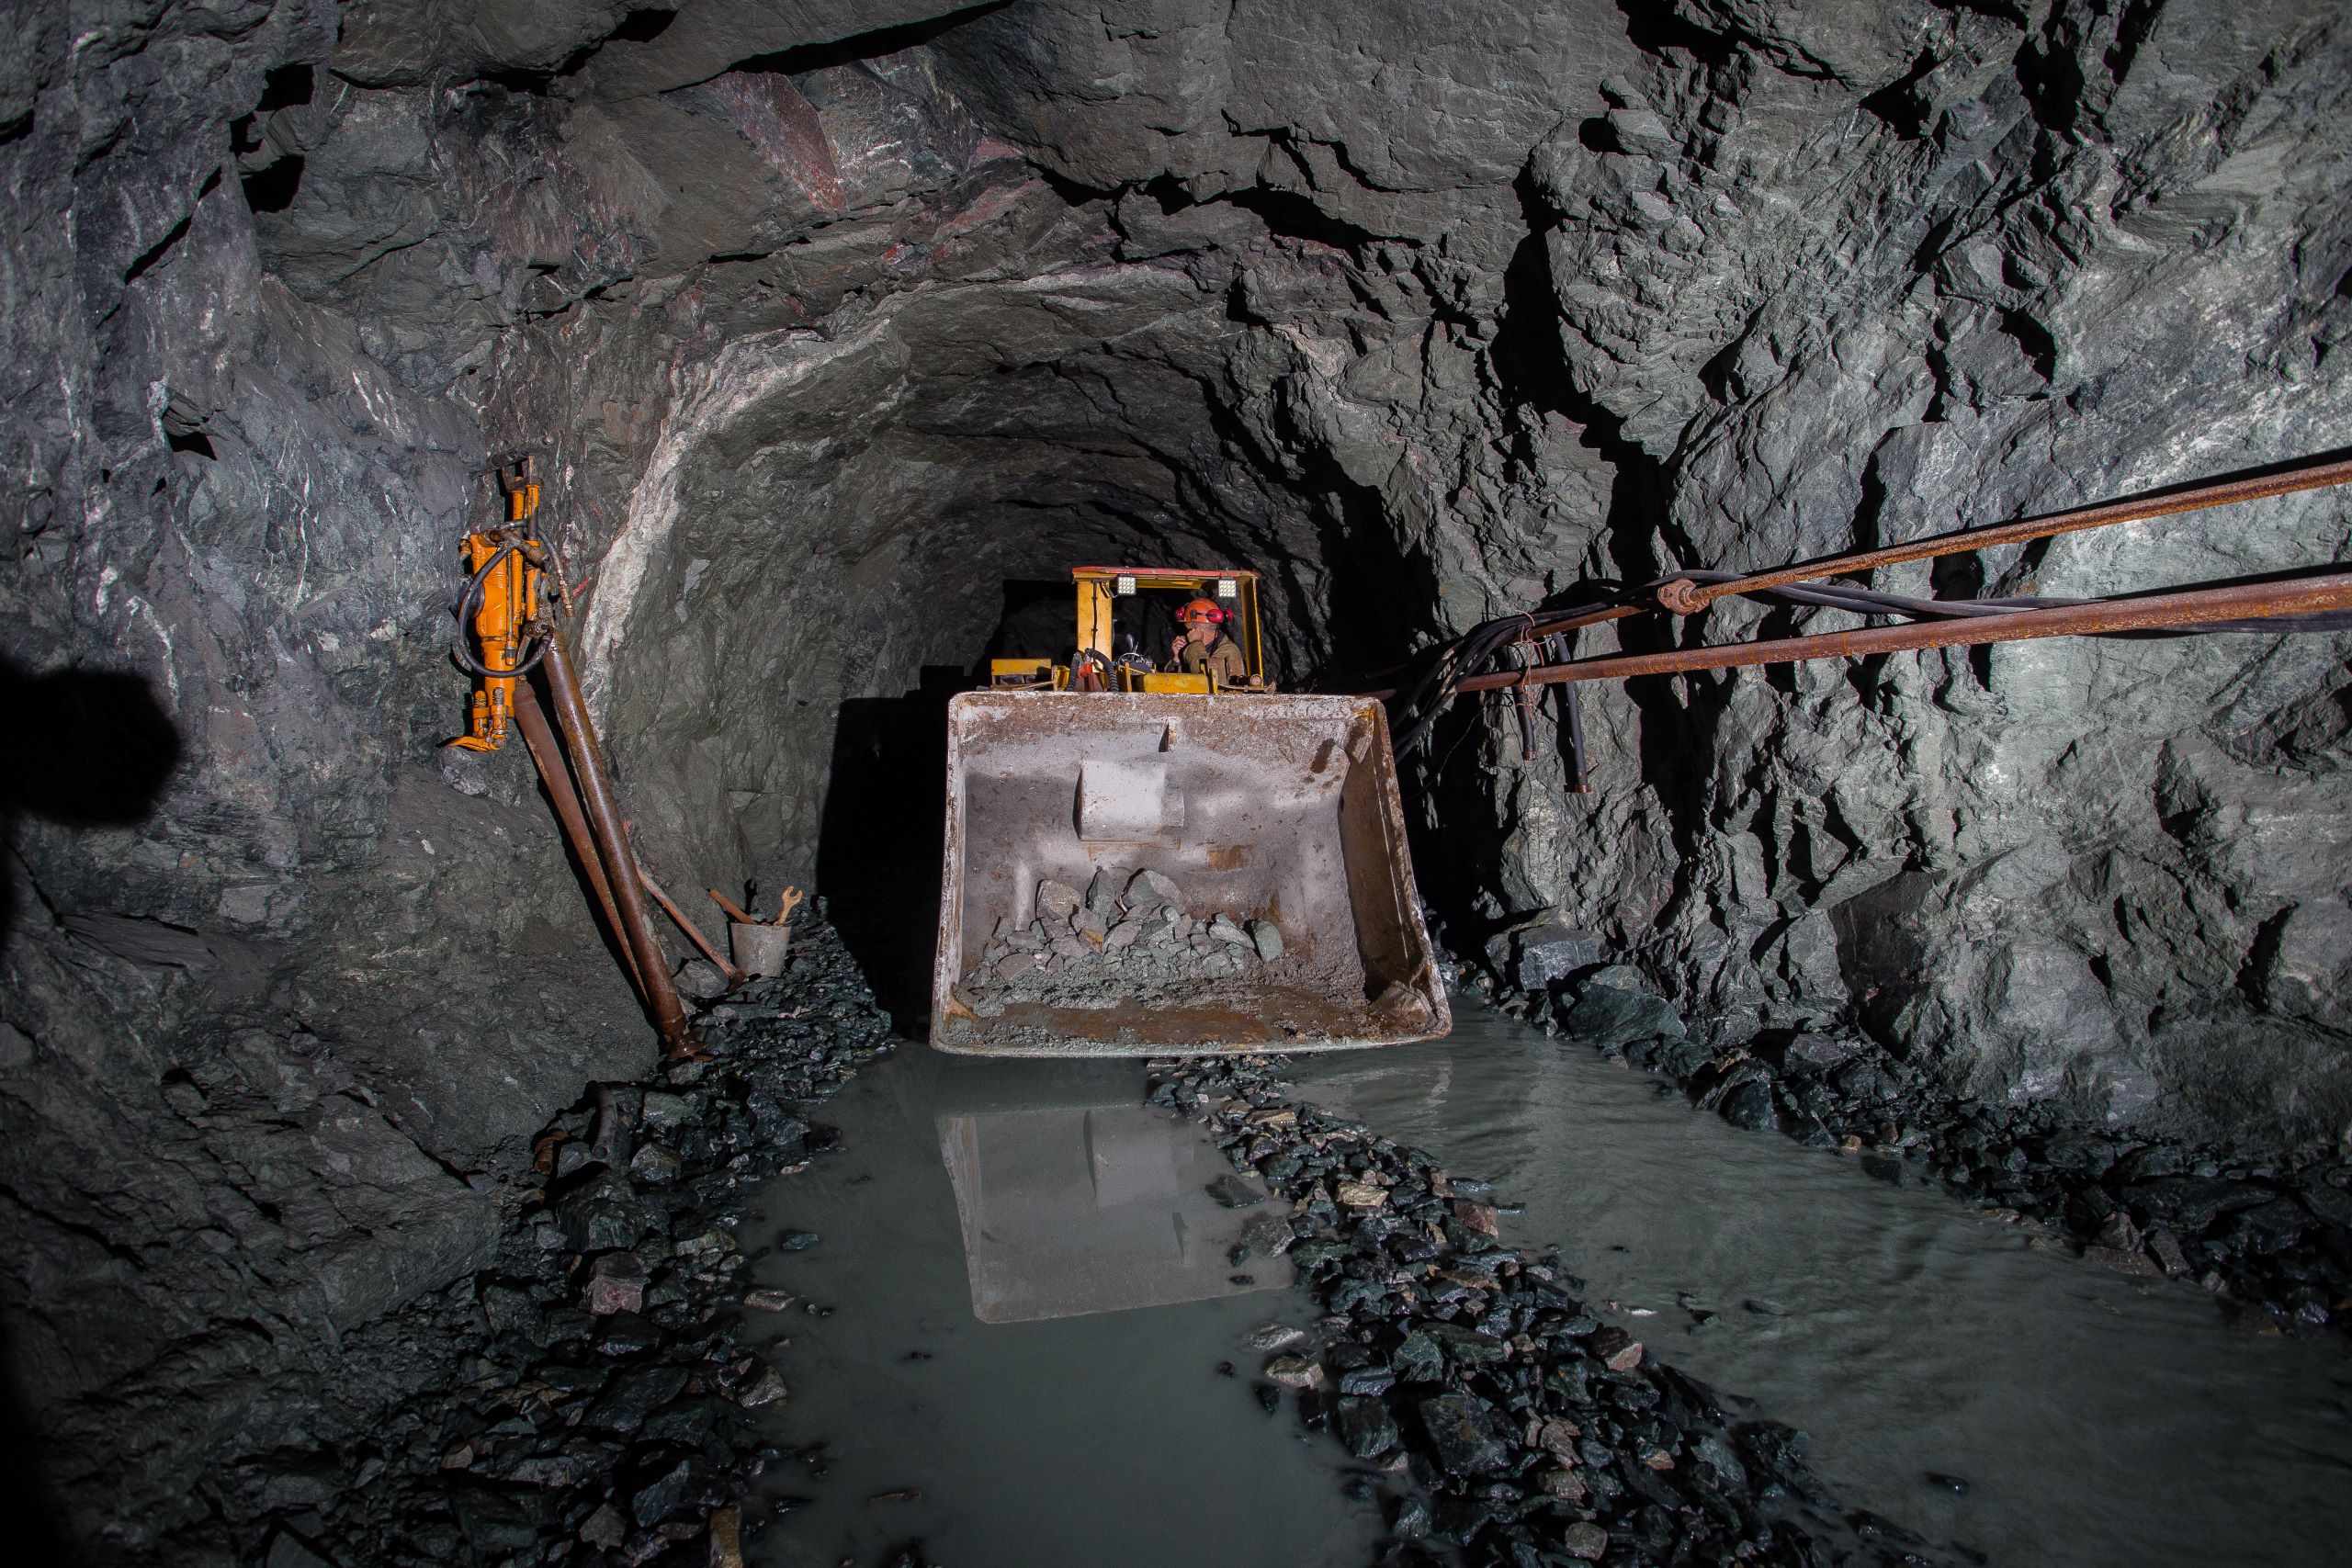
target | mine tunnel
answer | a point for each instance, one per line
(1172, 782)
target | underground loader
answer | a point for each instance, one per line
(1148, 855)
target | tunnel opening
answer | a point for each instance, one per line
(878, 846)
(876, 857)
(806, 604)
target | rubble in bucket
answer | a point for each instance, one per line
(1117, 942)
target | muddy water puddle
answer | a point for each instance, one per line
(1032, 1291)
(2092, 1419)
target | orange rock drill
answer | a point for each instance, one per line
(502, 599)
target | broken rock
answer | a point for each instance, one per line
(1558, 1439)
(616, 1283)
(701, 979)
(1269, 941)
(1149, 889)
(1056, 902)
(766, 1389)
(1293, 1371)
(1618, 1350)
(1466, 1434)
(1225, 929)
(1479, 1217)
(1587, 1540)
(1366, 1426)
(1101, 894)
(1276, 1336)
(1232, 1192)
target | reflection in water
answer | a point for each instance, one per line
(973, 1356)
(1076, 1210)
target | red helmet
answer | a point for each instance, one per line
(1201, 610)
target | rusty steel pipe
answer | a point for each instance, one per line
(1684, 597)
(733, 910)
(540, 739)
(2154, 612)
(661, 1003)
(694, 932)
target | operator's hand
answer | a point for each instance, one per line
(1176, 649)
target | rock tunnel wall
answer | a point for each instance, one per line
(824, 333)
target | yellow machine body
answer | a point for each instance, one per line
(1100, 588)
(509, 603)
(508, 606)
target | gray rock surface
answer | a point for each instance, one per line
(825, 334)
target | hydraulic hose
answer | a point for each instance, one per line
(469, 598)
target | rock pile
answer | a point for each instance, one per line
(1121, 938)
(592, 1403)
(2270, 1235)
(1515, 1426)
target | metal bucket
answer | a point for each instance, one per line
(758, 949)
(1263, 808)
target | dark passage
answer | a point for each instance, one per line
(879, 855)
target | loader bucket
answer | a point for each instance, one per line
(1266, 810)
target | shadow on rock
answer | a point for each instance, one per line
(26, 1502)
(86, 748)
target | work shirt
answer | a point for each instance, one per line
(1223, 655)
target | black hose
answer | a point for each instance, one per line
(464, 610)
(1579, 779)
(1471, 651)
(1870, 601)
(2316, 621)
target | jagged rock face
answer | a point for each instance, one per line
(824, 334)
(1824, 307)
